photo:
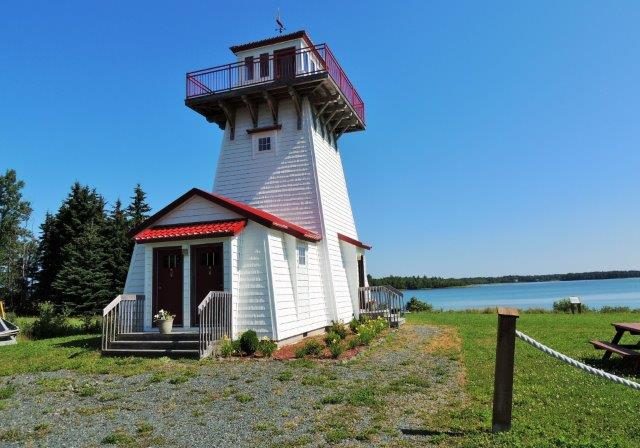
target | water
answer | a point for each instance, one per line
(594, 293)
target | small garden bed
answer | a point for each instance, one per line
(341, 342)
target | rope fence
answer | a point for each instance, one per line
(577, 364)
(505, 357)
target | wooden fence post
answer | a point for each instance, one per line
(503, 384)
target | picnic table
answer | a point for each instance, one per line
(624, 350)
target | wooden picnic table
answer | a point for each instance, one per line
(624, 350)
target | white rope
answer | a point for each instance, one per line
(577, 364)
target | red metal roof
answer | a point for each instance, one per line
(242, 209)
(191, 230)
(348, 239)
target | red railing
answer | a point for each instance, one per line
(274, 68)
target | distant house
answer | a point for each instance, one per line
(274, 246)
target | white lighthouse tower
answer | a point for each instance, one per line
(275, 241)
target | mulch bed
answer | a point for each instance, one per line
(288, 352)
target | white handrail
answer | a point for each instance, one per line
(214, 320)
(123, 315)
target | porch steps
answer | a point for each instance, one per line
(177, 344)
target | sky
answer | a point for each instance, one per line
(502, 137)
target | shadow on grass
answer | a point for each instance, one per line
(430, 432)
(615, 366)
(89, 343)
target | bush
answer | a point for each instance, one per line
(226, 347)
(91, 324)
(564, 306)
(50, 323)
(330, 337)
(338, 328)
(615, 309)
(365, 335)
(353, 343)
(311, 348)
(249, 342)
(336, 347)
(266, 346)
(416, 305)
(353, 325)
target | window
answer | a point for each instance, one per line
(264, 144)
(207, 259)
(248, 67)
(313, 66)
(305, 62)
(264, 65)
(302, 255)
(170, 261)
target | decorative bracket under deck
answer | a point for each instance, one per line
(297, 103)
(230, 114)
(273, 106)
(253, 110)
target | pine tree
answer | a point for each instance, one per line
(118, 247)
(83, 283)
(83, 208)
(15, 238)
(138, 210)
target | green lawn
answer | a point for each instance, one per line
(554, 404)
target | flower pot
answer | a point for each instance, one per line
(165, 326)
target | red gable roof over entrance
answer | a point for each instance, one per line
(242, 209)
(190, 231)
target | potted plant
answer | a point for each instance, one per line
(164, 320)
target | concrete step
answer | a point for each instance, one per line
(156, 345)
(176, 353)
(153, 336)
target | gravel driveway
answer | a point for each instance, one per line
(381, 398)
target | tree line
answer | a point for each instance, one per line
(424, 282)
(80, 257)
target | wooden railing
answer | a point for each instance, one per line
(214, 320)
(382, 301)
(125, 314)
(274, 68)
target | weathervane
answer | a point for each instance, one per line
(279, 23)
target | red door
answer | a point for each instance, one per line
(167, 281)
(207, 270)
(285, 63)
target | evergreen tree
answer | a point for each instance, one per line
(15, 239)
(84, 283)
(118, 247)
(138, 210)
(83, 208)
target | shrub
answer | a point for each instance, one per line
(91, 324)
(266, 346)
(338, 328)
(353, 325)
(336, 347)
(365, 334)
(50, 323)
(249, 342)
(353, 343)
(615, 309)
(226, 347)
(564, 306)
(311, 348)
(417, 305)
(330, 337)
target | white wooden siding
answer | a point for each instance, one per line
(197, 209)
(282, 183)
(135, 276)
(254, 289)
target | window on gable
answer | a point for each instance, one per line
(264, 144)
(264, 65)
(248, 66)
(302, 255)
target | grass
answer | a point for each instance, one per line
(554, 404)
(80, 353)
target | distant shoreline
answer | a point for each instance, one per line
(412, 283)
(519, 283)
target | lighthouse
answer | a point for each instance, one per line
(273, 246)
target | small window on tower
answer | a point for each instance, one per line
(264, 144)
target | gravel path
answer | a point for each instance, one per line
(381, 398)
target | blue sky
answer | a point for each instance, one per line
(502, 137)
